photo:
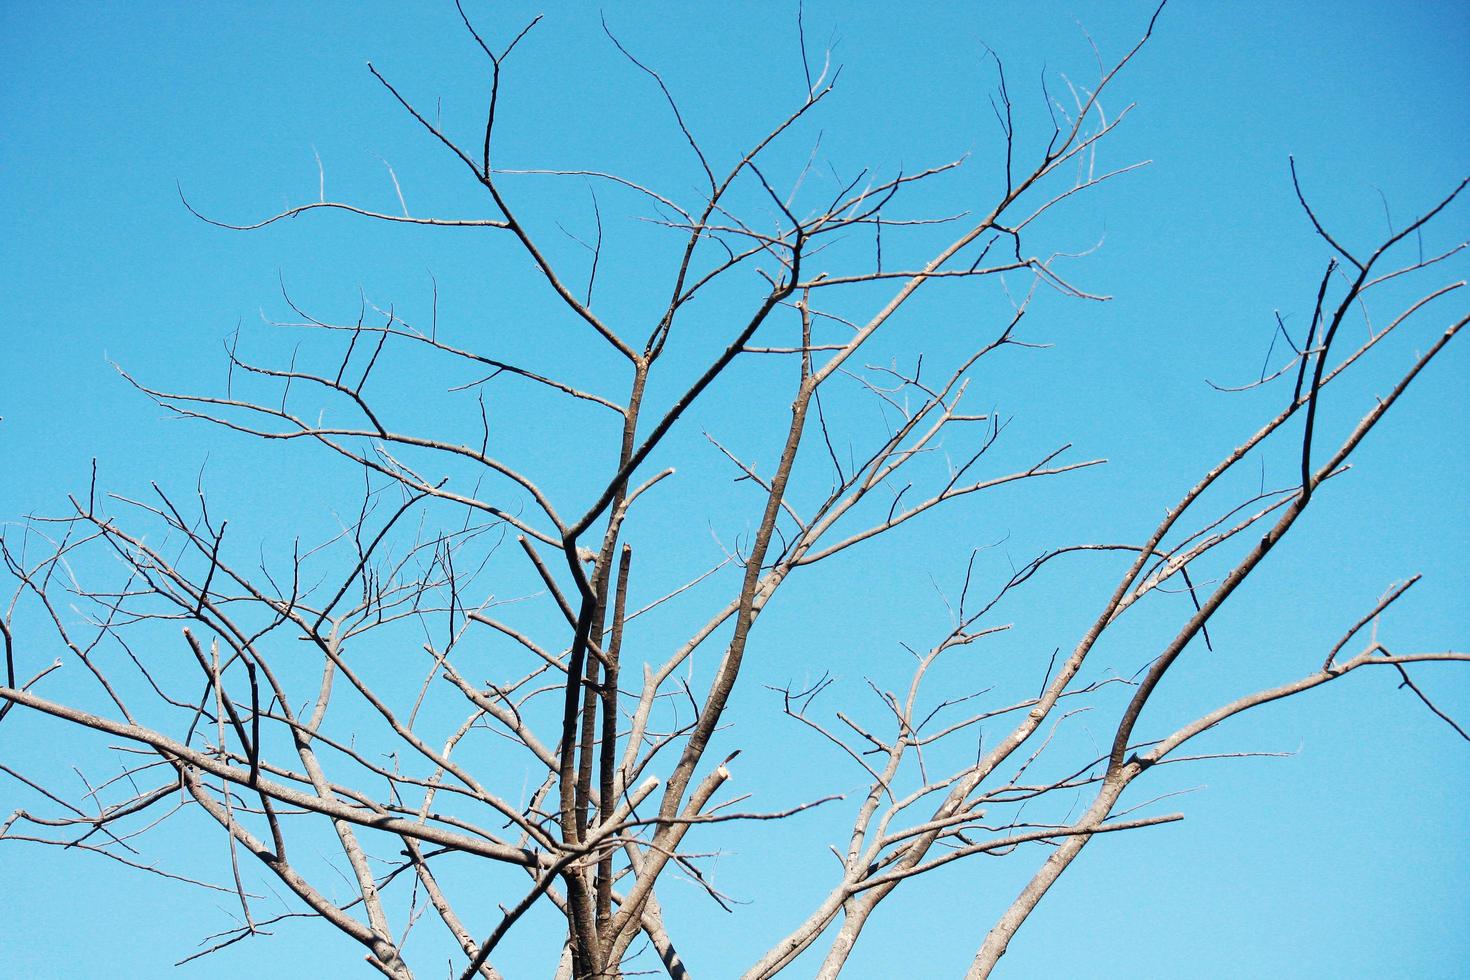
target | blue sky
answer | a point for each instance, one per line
(1347, 859)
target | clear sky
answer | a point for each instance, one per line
(1347, 859)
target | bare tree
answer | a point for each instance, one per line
(398, 694)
